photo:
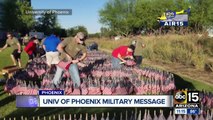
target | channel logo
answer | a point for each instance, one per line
(186, 102)
(180, 97)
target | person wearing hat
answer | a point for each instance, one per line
(74, 51)
(13, 43)
(139, 45)
(119, 54)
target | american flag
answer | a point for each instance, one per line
(84, 89)
(76, 91)
(107, 91)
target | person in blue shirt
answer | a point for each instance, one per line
(52, 55)
(50, 46)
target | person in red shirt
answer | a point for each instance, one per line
(31, 48)
(119, 54)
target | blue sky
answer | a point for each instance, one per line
(84, 12)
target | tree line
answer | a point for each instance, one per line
(127, 17)
(120, 17)
(15, 19)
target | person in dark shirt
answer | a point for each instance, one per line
(13, 43)
(138, 52)
(73, 50)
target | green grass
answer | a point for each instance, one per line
(5, 59)
(7, 103)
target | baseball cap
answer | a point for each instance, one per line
(132, 47)
(80, 35)
(134, 42)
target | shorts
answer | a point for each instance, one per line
(52, 58)
(16, 54)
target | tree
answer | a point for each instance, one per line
(147, 12)
(47, 23)
(74, 30)
(94, 35)
(27, 20)
(60, 32)
(132, 16)
(107, 32)
(70, 32)
(15, 18)
(202, 14)
(118, 15)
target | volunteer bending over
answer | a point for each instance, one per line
(73, 50)
(30, 48)
(119, 54)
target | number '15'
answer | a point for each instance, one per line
(193, 97)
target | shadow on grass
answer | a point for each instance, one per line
(7, 100)
(2, 93)
(181, 83)
(1, 89)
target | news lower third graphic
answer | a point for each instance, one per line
(55, 98)
(51, 92)
(27, 101)
(106, 101)
(186, 102)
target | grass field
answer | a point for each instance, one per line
(189, 50)
(184, 55)
(181, 81)
(8, 107)
(5, 59)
